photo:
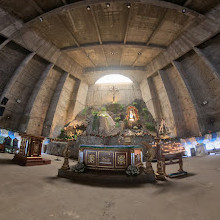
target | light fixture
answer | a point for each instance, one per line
(112, 53)
(183, 10)
(88, 8)
(129, 5)
(107, 5)
(205, 102)
(139, 53)
(41, 19)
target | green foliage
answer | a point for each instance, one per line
(85, 110)
(134, 104)
(115, 107)
(117, 119)
(117, 124)
(132, 170)
(63, 135)
(145, 113)
(79, 168)
(103, 109)
(95, 124)
(95, 113)
(126, 123)
(122, 108)
(150, 126)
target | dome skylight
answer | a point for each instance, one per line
(113, 78)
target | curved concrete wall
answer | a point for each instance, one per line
(46, 88)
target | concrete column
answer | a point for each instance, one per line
(80, 98)
(177, 111)
(197, 108)
(4, 43)
(48, 123)
(71, 107)
(155, 100)
(207, 62)
(26, 116)
(16, 75)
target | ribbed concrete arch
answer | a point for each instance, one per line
(76, 5)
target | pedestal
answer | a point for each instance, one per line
(30, 151)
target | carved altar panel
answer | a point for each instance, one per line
(121, 159)
(91, 158)
(106, 159)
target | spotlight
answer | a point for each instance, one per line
(107, 5)
(183, 10)
(88, 8)
(205, 102)
(128, 5)
(41, 19)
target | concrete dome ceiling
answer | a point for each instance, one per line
(109, 36)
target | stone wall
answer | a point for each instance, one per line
(184, 113)
(181, 78)
(57, 148)
(100, 94)
(205, 87)
(39, 108)
(41, 101)
(10, 58)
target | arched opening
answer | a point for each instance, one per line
(113, 78)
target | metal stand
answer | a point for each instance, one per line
(66, 158)
(159, 173)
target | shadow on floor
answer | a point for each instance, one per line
(171, 185)
(5, 161)
(99, 183)
(184, 176)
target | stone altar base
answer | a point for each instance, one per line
(110, 178)
(30, 161)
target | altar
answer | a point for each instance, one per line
(110, 157)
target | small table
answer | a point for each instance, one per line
(173, 159)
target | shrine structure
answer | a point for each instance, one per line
(30, 151)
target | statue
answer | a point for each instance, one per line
(66, 157)
(114, 90)
(149, 156)
(132, 117)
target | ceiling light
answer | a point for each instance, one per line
(128, 5)
(88, 8)
(41, 19)
(205, 102)
(183, 10)
(107, 5)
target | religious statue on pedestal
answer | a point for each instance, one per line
(132, 116)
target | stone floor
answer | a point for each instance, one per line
(36, 193)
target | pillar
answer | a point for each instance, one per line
(26, 116)
(51, 113)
